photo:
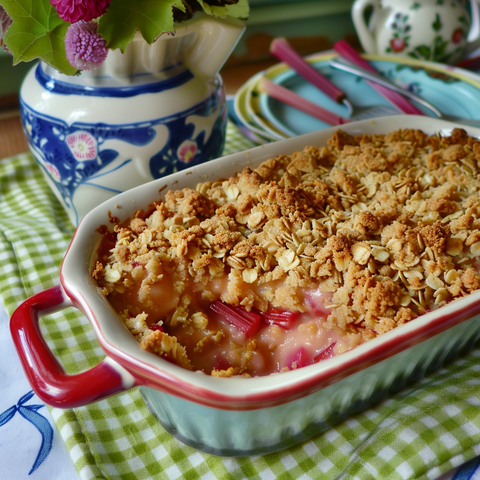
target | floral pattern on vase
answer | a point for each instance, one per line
(53, 172)
(187, 151)
(82, 145)
(144, 113)
(82, 157)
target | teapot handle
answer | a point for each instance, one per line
(473, 38)
(214, 41)
(364, 33)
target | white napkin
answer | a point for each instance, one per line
(25, 452)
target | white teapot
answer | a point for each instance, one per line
(440, 31)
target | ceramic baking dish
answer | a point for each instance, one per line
(234, 416)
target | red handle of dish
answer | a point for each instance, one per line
(45, 374)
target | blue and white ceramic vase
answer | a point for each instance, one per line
(149, 112)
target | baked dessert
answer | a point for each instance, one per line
(301, 258)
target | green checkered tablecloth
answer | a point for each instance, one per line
(422, 432)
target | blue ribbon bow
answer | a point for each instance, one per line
(29, 412)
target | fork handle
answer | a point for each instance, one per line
(383, 81)
(288, 97)
(281, 49)
(399, 101)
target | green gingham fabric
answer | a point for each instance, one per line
(422, 432)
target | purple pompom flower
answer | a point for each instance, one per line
(74, 10)
(84, 47)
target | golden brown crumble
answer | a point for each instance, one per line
(389, 224)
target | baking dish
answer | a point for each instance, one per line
(234, 416)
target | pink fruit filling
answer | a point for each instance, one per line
(230, 277)
(251, 342)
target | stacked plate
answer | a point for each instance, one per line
(452, 90)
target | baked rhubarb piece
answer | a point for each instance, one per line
(301, 258)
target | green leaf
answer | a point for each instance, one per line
(240, 10)
(37, 32)
(122, 19)
(437, 24)
(422, 51)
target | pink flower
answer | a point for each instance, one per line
(457, 35)
(186, 151)
(53, 171)
(5, 22)
(84, 47)
(83, 145)
(74, 10)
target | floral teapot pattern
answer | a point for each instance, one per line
(146, 113)
(434, 30)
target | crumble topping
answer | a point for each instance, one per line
(386, 225)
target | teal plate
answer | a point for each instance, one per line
(452, 90)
